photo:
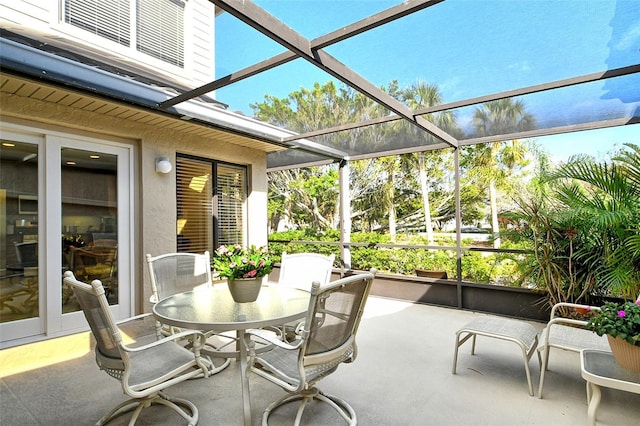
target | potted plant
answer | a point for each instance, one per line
(244, 268)
(621, 323)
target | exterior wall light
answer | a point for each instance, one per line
(163, 165)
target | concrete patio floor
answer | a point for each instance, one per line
(402, 377)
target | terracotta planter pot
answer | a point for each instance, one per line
(245, 290)
(626, 355)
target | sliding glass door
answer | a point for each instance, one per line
(65, 204)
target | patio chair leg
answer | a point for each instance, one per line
(118, 410)
(460, 343)
(342, 407)
(186, 409)
(527, 356)
(543, 369)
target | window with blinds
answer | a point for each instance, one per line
(210, 204)
(108, 19)
(158, 31)
(231, 193)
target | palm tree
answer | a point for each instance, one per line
(499, 117)
(605, 196)
(583, 226)
(421, 95)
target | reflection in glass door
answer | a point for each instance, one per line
(19, 275)
(89, 189)
(66, 203)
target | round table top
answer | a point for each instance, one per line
(213, 308)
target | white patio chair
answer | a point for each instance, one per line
(567, 334)
(300, 270)
(174, 273)
(328, 339)
(144, 371)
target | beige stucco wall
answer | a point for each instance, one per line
(154, 193)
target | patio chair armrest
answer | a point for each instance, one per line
(198, 343)
(566, 321)
(272, 338)
(571, 305)
(134, 318)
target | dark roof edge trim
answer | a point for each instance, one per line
(28, 62)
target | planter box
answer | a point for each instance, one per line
(508, 301)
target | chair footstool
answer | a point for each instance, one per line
(518, 332)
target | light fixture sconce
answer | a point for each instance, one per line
(163, 165)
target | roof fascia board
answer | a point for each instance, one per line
(300, 165)
(259, 19)
(44, 66)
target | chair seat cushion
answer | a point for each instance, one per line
(284, 364)
(154, 364)
(576, 339)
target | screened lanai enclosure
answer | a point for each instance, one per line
(438, 118)
(574, 65)
(410, 132)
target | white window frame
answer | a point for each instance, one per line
(128, 54)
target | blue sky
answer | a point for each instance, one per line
(491, 46)
(597, 143)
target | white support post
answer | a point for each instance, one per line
(345, 215)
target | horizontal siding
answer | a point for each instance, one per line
(21, 11)
(202, 42)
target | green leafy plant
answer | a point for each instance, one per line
(618, 320)
(235, 261)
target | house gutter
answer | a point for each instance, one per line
(26, 61)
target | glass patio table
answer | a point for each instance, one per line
(599, 368)
(214, 309)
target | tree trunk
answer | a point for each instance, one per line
(391, 207)
(425, 198)
(494, 214)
